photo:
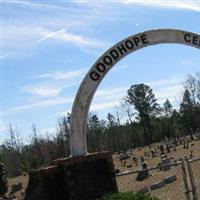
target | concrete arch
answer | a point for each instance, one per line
(101, 67)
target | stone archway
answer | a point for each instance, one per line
(97, 72)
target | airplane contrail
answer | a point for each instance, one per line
(50, 35)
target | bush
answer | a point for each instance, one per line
(128, 196)
(3, 180)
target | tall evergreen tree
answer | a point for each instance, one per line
(94, 127)
(187, 112)
(168, 109)
(144, 101)
(112, 123)
(168, 127)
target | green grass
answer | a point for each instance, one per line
(128, 196)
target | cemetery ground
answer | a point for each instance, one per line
(127, 183)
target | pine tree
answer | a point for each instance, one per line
(94, 128)
(141, 96)
(167, 120)
(112, 123)
(187, 112)
(167, 108)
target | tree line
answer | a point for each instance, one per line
(144, 122)
(147, 121)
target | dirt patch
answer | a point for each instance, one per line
(175, 190)
(20, 179)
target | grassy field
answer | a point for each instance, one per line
(128, 183)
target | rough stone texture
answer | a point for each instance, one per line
(78, 178)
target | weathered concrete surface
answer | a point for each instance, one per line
(102, 66)
(78, 178)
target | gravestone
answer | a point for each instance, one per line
(157, 185)
(143, 174)
(170, 179)
(165, 164)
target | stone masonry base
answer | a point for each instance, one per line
(86, 177)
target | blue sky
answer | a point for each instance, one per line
(48, 46)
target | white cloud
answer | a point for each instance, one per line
(64, 75)
(6, 55)
(42, 5)
(188, 62)
(34, 4)
(54, 83)
(3, 128)
(177, 4)
(113, 97)
(42, 90)
(122, 67)
(173, 80)
(62, 113)
(18, 37)
(48, 89)
(41, 104)
(170, 88)
(63, 36)
(106, 92)
(105, 105)
(105, 99)
(172, 93)
(44, 131)
(29, 36)
(49, 35)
